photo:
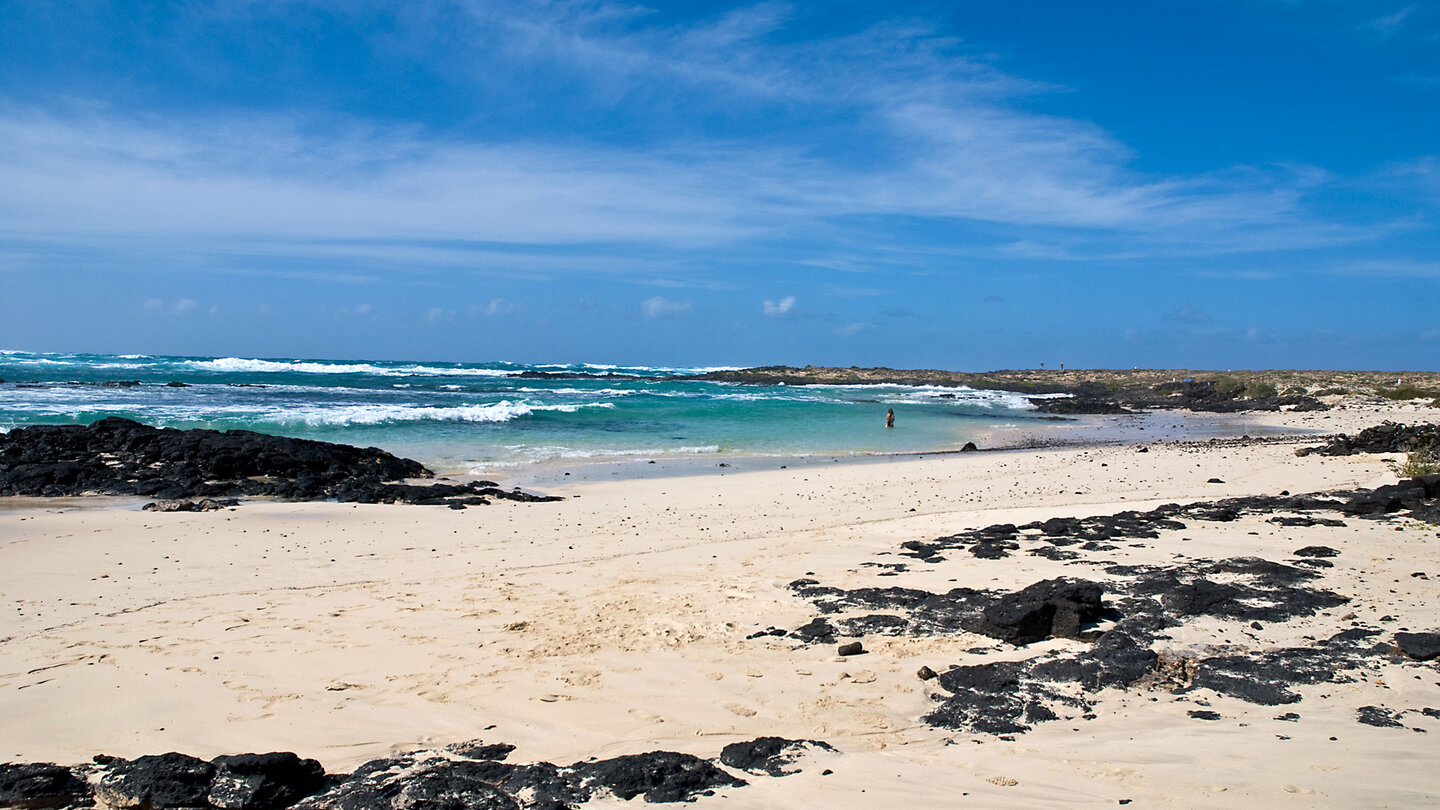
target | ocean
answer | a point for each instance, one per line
(477, 418)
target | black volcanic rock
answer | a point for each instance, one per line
(1053, 607)
(1420, 646)
(769, 755)
(660, 776)
(1386, 437)
(40, 785)
(1074, 406)
(263, 781)
(117, 456)
(159, 781)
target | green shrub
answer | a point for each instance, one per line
(1296, 391)
(1424, 461)
(1259, 389)
(1228, 386)
(1408, 391)
(1329, 392)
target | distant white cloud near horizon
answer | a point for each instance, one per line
(462, 156)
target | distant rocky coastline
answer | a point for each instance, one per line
(116, 456)
(1110, 391)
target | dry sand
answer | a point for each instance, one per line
(615, 622)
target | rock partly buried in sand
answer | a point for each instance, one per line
(769, 755)
(421, 781)
(40, 784)
(852, 648)
(1052, 607)
(1420, 646)
(1145, 601)
(204, 505)
(463, 776)
(117, 456)
(1411, 493)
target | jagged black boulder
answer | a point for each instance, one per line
(1420, 646)
(39, 785)
(1387, 437)
(263, 781)
(160, 781)
(1052, 607)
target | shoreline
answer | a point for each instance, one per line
(624, 619)
(1086, 431)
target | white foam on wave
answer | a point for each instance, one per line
(536, 454)
(503, 411)
(601, 368)
(241, 364)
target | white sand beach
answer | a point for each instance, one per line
(616, 621)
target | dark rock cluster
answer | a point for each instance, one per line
(116, 456)
(469, 776)
(1387, 437)
(1201, 396)
(1052, 538)
(1130, 613)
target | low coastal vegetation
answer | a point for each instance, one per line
(1418, 463)
(1243, 384)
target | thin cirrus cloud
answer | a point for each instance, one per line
(949, 140)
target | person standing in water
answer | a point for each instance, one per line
(890, 418)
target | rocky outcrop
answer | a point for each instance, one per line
(1133, 616)
(41, 785)
(1386, 437)
(117, 456)
(468, 776)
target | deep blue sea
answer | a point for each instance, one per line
(478, 417)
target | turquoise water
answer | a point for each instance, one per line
(475, 417)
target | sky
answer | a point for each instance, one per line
(964, 185)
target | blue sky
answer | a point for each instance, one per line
(1199, 183)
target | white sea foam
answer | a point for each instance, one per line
(503, 411)
(240, 364)
(535, 454)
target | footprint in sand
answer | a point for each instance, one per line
(743, 711)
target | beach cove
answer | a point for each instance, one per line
(665, 613)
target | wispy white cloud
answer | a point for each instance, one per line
(948, 138)
(180, 306)
(775, 309)
(1389, 268)
(1389, 24)
(661, 307)
(497, 306)
(853, 329)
